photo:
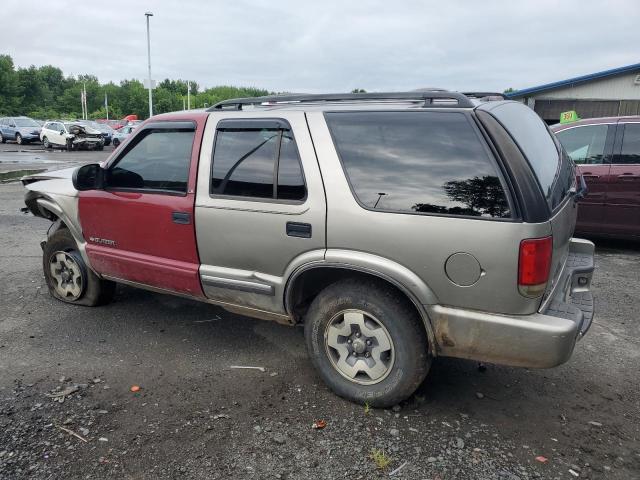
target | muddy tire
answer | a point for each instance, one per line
(67, 276)
(45, 143)
(367, 342)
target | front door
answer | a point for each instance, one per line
(622, 208)
(140, 227)
(260, 209)
(590, 147)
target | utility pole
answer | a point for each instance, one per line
(188, 95)
(149, 14)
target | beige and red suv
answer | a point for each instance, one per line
(398, 227)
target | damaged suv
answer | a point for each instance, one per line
(398, 227)
(71, 135)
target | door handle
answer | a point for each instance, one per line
(181, 218)
(301, 230)
(590, 175)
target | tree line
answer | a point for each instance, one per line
(45, 92)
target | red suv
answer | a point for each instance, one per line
(607, 153)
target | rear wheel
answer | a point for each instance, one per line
(367, 342)
(116, 142)
(68, 277)
(2, 139)
(18, 139)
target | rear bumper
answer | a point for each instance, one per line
(541, 340)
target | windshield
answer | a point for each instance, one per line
(26, 122)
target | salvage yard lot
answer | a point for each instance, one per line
(194, 417)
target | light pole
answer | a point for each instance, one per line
(149, 14)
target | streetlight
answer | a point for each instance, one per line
(149, 14)
(380, 195)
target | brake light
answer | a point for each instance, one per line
(534, 265)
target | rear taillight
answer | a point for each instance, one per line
(534, 265)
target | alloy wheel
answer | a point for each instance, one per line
(359, 347)
(66, 274)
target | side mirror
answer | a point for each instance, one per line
(88, 177)
(61, 132)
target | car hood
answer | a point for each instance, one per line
(65, 173)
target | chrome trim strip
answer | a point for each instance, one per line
(243, 285)
(231, 307)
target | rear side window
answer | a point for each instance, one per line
(158, 161)
(630, 152)
(256, 160)
(585, 145)
(418, 162)
(552, 167)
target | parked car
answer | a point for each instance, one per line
(397, 227)
(122, 134)
(607, 154)
(19, 129)
(70, 135)
(106, 130)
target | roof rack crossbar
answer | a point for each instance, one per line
(427, 96)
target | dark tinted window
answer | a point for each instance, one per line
(630, 144)
(553, 169)
(257, 162)
(290, 179)
(429, 162)
(585, 145)
(158, 161)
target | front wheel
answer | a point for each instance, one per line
(2, 139)
(116, 142)
(18, 139)
(45, 143)
(367, 342)
(67, 276)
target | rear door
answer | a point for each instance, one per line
(622, 209)
(260, 209)
(590, 147)
(140, 227)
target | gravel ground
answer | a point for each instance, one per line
(196, 418)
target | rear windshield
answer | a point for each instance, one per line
(553, 168)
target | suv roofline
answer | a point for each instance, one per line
(426, 96)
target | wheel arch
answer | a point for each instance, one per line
(307, 281)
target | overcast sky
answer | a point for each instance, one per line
(327, 45)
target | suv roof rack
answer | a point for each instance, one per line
(427, 96)
(488, 95)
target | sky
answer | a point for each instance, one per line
(328, 45)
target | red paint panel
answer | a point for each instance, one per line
(149, 247)
(132, 235)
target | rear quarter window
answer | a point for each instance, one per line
(550, 163)
(418, 162)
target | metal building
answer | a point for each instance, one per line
(602, 94)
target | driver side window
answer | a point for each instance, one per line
(157, 162)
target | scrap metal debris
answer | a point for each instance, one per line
(71, 432)
(59, 396)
